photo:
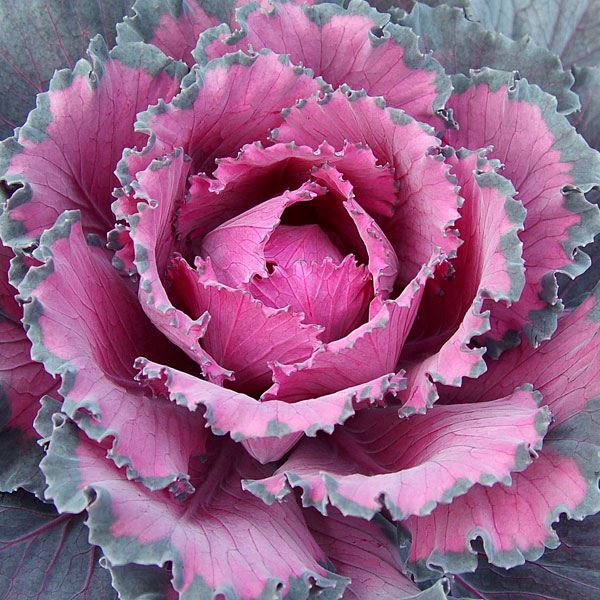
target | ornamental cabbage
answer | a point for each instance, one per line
(296, 305)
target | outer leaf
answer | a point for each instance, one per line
(587, 120)
(22, 384)
(141, 582)
(426, 460)
(173, 27)
(367, 553)
(548, 174)
(566, 573)
(220, 541)
(563, 479)
(460, 45)
(45, 555)
(64, 156)
(568, 28)
(354, 46)
(40, 36)
(78, 311)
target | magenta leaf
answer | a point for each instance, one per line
(74, 333)
(385, 60)
(416, 228)
(368, 352)
(569, 571)
(243, 334)
(367, 553)
(274, 423)
(220, 540)
(425, 460)
(211, 118)
(40, 36)
(173, 27)
(564, 479)
(46, 555)
(548, 174)
(22, 384)
(333, 296)
(568, 28)
(257, 174)
(460, 45)
(160, 189)
(47, 171)
(488, 266)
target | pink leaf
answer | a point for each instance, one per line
(425, 460)
(274, 423)
(334, 296)
(369, 351)
(428, 203)
(367, 553)
(220, 540)
(356, 46)
(79, 309)
(233, 101)
(536, 145)
(243, 334)
(71, 143)
(237, 247)
(488, 266)
(258, 174)
(161, 187)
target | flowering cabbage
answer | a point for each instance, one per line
(282, 313)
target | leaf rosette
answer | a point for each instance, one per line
(330, 266)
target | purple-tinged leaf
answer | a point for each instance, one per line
(243, 334)
(45, 555)
(173, 27)
(367, 553)
(461, 45)
(63, 158)
(160, 188)
(563, 479)
(488, 266)
(553, 484)
(426, 460)
(221, 540)
(587, 120)
(258, 174)
(428, 202)
(22, 383)
(568, 28)
(40, 36)
(355, 46)
(370, 351)
(231, 102)
(564, 369)
(270, 428)
(569, 572)
(236, 248)
(78, 311)
(549, 165)
(335, 296)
